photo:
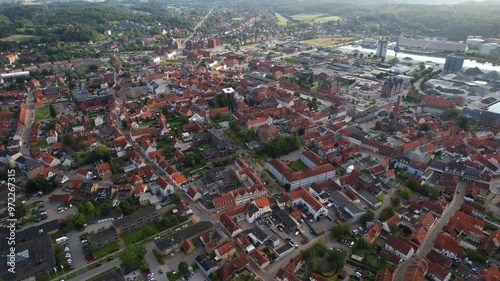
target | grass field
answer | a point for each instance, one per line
(297, 165)
(237, 18)
(319, 18)
(19, 38)
(106, 250)
(328, 41)
(281, 19)
(42, 113)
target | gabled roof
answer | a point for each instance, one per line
(228, 223)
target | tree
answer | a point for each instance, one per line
(395, 201)
(425, 126)
(126, 207)
(214, 276)
(52, 111)
(368, 216)
(340, 230)
(463, 122)
(147, 231)
(176, 198)
(87, 208)
(106, 207)
(405, 192)
(79, 220)
(386, 213)
(183, 268)
(124, 124)
(132, 254)
(21, 209)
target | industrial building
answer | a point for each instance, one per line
(453, 63)
(381, 49)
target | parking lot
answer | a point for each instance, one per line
(76, 249)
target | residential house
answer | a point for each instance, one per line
(136, 220)
(103, 238)
(225, 251)
(231, 227)
(188, 246)
(301, 196)
(104, 170)
(50, 160)
(232, 267)
(399, 247)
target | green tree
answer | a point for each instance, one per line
(52, 111)
(368, 216)
(395, 201)
(425, 126)
(386, 213)
(214, 276)
(126, 207)
(21, 209)
(405, 192)
(131, 254)
(183, 268)
(88, 208)
(463, 122)
(79, 220)
(340, 230)
(124, 124)
(147, 231)
(106, 207)
(176, 198)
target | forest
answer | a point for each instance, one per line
(77, 22)
(453, 21)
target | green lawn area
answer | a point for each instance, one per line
(326, 19)
(41, 144)
(104, 251)
(139, 234)
(146, 123)
(169, 61)
(237, 18)
(281, 19)
(42, 113)
(318, 18)
(328, 41)
(297, 165)
(19, 38)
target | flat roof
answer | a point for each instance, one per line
(495, 108)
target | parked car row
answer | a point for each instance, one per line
(67, 255)
(86, 252)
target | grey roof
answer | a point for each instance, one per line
(32, 256)
(340, 201)
(438, 165)
(37, 231)
(284, 248)
(134, 217)
(188, 232)
(367, 196)
(284, 218)
(115, 275)
(103, 235)
(205, 262)
(259, 233)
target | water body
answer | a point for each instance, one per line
(422, 58)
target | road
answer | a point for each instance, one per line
(31, 118)
(426, 247)
(194, 30)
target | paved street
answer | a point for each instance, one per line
(426, 247)
(96, 271)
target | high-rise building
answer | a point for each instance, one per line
(381, 48)
(453, 63)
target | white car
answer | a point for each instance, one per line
(68, 255)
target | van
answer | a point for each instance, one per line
(61, 239)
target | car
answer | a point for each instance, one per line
(329, 205)
(68, 255)
(288, 239)
(90, 259)
(61, 211)
(38, 219)
(98, 264)
(157, 237)
(161, 271)
(297, 233)
(69, 260)
(67, 250)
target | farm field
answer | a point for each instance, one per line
(318, 18)
(328, 41)
(19, 38)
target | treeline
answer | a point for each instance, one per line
(453, 21)
(77, 22)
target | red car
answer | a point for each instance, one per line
(147, 271)
(90, 259)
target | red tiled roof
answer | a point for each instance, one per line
(235, 265)
(228, 223)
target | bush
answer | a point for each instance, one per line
(160, 256)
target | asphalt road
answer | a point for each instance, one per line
(426, 247)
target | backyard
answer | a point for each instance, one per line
(42, 113)
(106, 250)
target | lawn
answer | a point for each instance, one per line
(19, 38)
(297, 165)
(307, 17)
(41, 144)
(106, 250)
(42, 113)
(139, 234)
(328, 41)
(237, 18)
(147, 123)
(326, 19)
(281, 19)
(169, 61)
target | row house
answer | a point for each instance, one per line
(399, 247)
(257, 209)
(287, 176)
(301, 196)
(247, 194)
